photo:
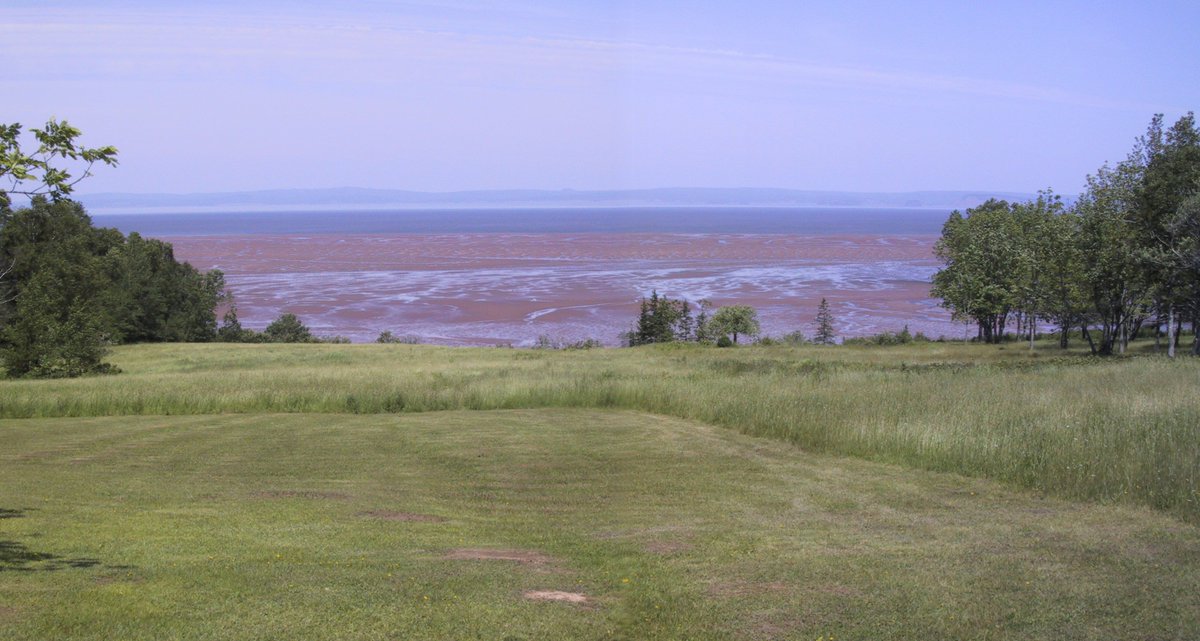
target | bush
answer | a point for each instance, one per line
(288, 329)
(587, 343)
(724, 341)
(884, 339)
(794, 338)
(545, 342)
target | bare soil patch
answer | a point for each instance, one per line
(391, 515)
(524, 557)
(302, 494)
(555, 595)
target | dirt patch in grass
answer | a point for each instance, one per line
(391, 515)
(524, 557)
(555, 595)
(7, 612)
(302, 494)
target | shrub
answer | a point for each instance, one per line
(794, 338)
(288, 329)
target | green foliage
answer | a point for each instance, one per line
(733, 321)
(60, 272)
(1123, 255)
(55, 332)
(887, 339)
(544, 341)
(156, 298)
(287, 329)
(41, 172)
(231, 330)
(724, 341)
(68, 288)
(662, 320)
(587, 343)
(826, 334)
(980, 280)
(795, 337)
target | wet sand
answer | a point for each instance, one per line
(495, 288)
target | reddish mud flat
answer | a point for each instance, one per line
(490, 288)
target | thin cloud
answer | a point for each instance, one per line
(146, 43)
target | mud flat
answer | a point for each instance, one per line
(489, 288)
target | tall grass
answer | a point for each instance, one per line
(1124, 430)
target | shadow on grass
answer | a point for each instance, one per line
(15, 557)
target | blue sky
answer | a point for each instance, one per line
(449, 95)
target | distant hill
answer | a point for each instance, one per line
(665, 197)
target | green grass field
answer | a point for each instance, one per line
(410, 492)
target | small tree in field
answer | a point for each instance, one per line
(735, 320)
(826, 335)
(288, 329)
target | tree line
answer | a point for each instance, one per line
(1123, 259)
(69, 288)
(667, 320)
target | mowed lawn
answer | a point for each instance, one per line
(437, 525)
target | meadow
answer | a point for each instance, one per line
(404, 491)
(1111, 430)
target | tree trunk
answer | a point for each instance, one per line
(1158, 331)
(1032, 330)
(1124, 336)
(1171, 331)
(1195, 334)
(1088, 336)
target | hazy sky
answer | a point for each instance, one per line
(447, 95)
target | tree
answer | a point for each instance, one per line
(662, 320)
(1184, 226)
(157, 298)
(49, 279)
(1113, 282)
(288, 329)
(52, 321)
(735, 320)
(981, 251)
(826, 335)
(1061, 299)
(231, 330)
(1171, 177)
(705, 332)
(41, 172)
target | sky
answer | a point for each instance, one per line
(446, 95)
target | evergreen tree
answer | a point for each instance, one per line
(662, 320)
(826, 334)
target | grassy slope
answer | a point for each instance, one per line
(254, 527)
(1120, 430)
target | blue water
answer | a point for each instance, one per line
(681, 220)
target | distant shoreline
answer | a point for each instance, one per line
(822, 221)
(358, 199)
